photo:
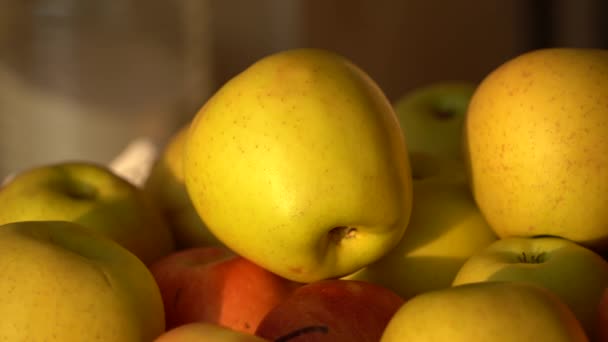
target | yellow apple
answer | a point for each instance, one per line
(445, 229)
(432, 117)
(165, 186)
(206, 332)
(487, 311)
(298, 163)
(537, 145)
(575, 273)
(60, 282)
(92, 195)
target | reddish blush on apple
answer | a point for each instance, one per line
(602, 315)
(333, 310)
(214, 285)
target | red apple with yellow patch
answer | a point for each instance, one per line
(212, 284)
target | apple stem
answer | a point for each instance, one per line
(531, 258)
(305, 330)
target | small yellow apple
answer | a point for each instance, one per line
(92, 195)
(298, 163)
(445, 229)
(537, 145)
(575, 273)
(432, 117)
(165, 186)
(486, 311)
(60, 282)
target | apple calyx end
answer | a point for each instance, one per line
(443, 114)
(340, 233)
(81, 191)
(531, 258)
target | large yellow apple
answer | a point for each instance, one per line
(537, 145)
(298, 163)
(165, 186)
(60, 282)
(92, 195)
(575, 273)
(486, 311)
(445, 229)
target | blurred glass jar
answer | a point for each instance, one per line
(81, 79)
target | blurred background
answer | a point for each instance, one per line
(80, 79)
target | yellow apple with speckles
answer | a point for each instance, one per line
(575, 273)
(492, 311)
(61, 282)
(537, 145)
(299, 164)
(165, 186)
(445, 229)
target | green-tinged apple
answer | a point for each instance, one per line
(536, 145)
(432, 117)
(298, 163)
(425, 166)
(61, 282)
(445, 229)
(212, 284)
(165, 186)
(575, 273)
(206, 332)
(486, 311)
(93, 196)
(332, 310)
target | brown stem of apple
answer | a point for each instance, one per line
(305, 330)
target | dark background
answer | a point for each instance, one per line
(81, 79)
(404, 44)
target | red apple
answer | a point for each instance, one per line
(206, 332)
(212, 284)
(332, 310)
(603, 318)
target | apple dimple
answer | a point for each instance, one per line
(340, 233)
(443, 114)
(81, 191)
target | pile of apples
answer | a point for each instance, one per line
(299, 204)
